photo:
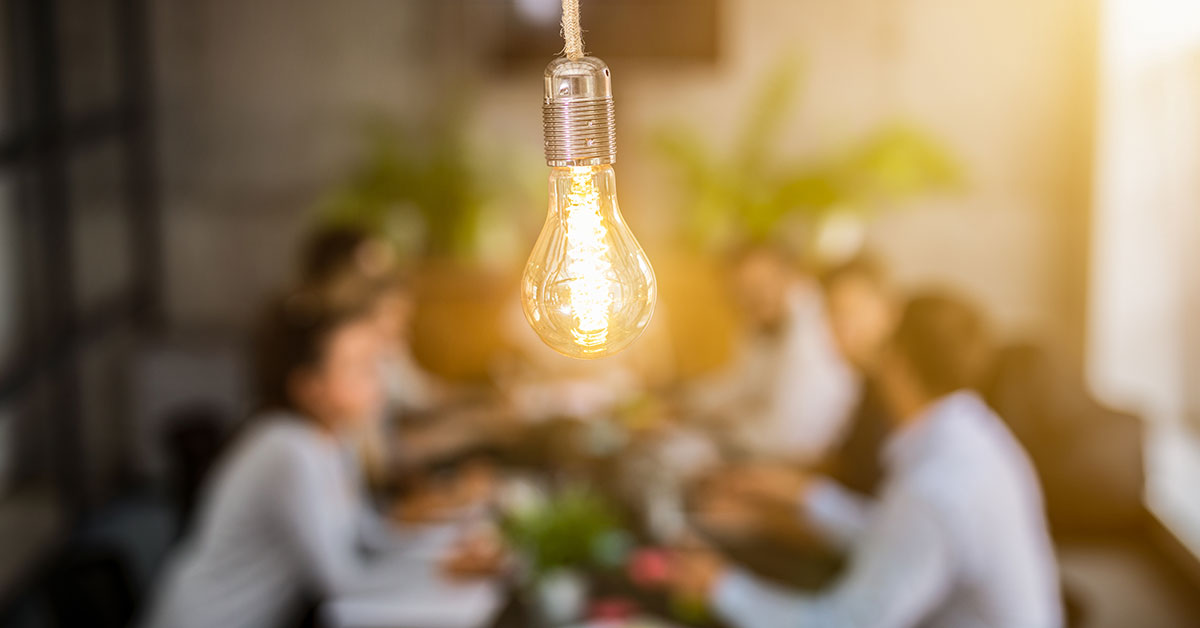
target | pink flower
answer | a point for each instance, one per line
(614, 609)
(650, 567)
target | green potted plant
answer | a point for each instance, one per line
(562, 538)
(435, 196)
(752, 193)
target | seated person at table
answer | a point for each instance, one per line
(787, 393)
(342, 259)
(958, 537)
(346, 262)
(862, 312)
(283, 519)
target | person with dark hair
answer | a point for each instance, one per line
(862, 309)
(284, 517)
(957, 537)
(345, 263)
(787, 392)
(332, 252)
(862, 312)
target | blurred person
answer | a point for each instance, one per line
(347, 264)
(860, 303)
(330, 253)
(958, 537)
(862, 309)
(345, 261)
(787, 393)
(283, 517)
(425, 418)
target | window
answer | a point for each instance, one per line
(1144, 339)
(78, 227)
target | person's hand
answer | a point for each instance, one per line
(427, 505)
(776, 485)
(447, 499)
(475, 484)
(476, 555)
(694, 572)
(719, 510)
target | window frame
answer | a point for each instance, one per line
(37, 146)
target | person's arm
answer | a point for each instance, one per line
(784, 495)
(323, 529)
(899, 573)
(840, 515)
(391, 541)
(378, 535)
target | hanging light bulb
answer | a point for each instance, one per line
(588, 289)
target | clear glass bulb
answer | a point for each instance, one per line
(588, 289)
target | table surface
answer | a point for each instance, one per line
(562, 447)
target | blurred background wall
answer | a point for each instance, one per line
(259, 102)
(254, 115)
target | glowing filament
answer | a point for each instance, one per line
(587, 261)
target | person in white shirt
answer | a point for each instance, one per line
(283, 517)
(788, 393)
(957, 538)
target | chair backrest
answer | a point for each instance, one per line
(1088, 457)
(91, 587)
(193, 438)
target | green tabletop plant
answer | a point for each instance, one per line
(575, 528)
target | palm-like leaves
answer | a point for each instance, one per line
(417, 187)
(747, 196)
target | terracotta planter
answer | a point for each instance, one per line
(694, 296)
(457, 326)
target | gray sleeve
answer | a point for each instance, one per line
(322, 529)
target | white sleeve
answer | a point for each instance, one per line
(814, 390)
(898, 573)
(838, 514)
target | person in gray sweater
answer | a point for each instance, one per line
(284, 517)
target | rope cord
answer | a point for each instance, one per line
(572, 33)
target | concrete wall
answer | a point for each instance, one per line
(259, 103)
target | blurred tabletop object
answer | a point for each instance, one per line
(437, 602)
